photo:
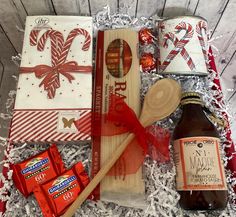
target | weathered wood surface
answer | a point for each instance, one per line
(7, 70)
(219, 13)
(38, 7)
(70, 8)
(184, 7)
(97, 6)
(10, 19)
(150, 7)
(226, 29)
(7, 81)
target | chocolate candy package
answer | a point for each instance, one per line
(55, 196)
(37, 170)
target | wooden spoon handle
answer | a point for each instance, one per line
(96, 180)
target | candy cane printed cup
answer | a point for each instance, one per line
(183, 46)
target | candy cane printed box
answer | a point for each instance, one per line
(55, 80)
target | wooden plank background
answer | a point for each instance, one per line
(219, 13)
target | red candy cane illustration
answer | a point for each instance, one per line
(180, 44)
(161, 27)
(57, 41)
(34, 37)
(170, 36)
(34, 34)
(69, 40)
(51, 80)
(202, 25)
(59, 53)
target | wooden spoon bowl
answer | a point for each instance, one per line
(161, 100)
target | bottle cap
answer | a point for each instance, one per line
(190, 95)
(191, 98)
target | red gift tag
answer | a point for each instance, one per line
(55, 196)
(37, 170)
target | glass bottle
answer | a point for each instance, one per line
(200, 178)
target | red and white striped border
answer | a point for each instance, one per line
(42, 126)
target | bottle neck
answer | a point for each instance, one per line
(193, 111)
(194, 122)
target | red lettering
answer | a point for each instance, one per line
(119, 87)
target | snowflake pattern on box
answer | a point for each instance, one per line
(55, 80)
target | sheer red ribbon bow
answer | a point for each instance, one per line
(122, 119)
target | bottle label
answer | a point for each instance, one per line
(199, 165)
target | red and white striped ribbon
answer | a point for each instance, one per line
(38, 126)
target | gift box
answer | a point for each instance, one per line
(55, 80)
(160, 190)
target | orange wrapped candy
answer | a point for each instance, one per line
(146, 36)
(148, 62)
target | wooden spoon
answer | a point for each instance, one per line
(160, 101)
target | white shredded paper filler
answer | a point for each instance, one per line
(161, 195)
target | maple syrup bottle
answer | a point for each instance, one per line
(200, 178)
